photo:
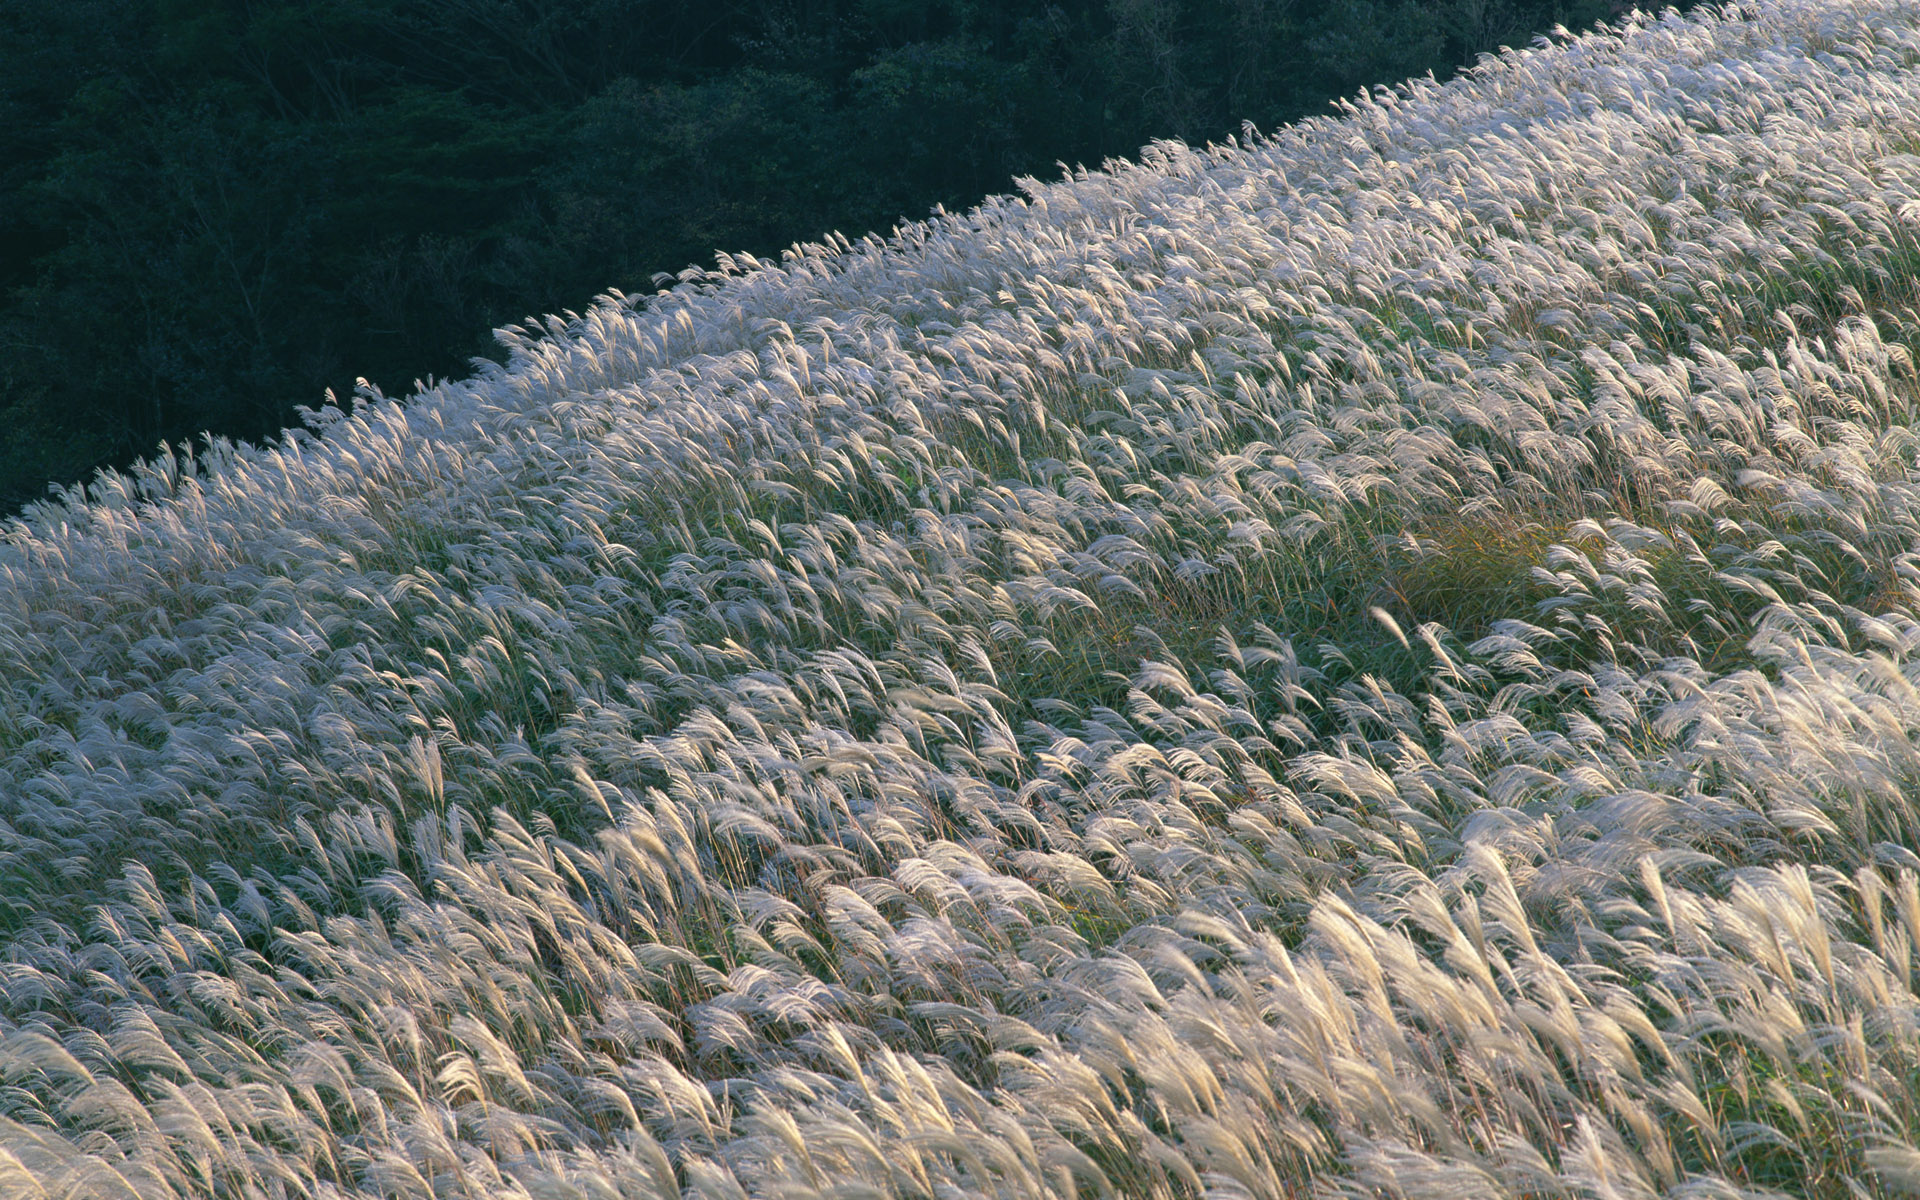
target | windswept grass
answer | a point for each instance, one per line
(1377, 661)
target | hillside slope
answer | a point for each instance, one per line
(1377, 662)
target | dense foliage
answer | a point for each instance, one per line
(1377, 662)
(213, 210)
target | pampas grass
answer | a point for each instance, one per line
(1378, 660)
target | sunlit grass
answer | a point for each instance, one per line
(1377, 661)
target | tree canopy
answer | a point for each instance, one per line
(212, 211)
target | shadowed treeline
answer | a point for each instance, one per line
(213, 210)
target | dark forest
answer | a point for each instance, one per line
(212, 211)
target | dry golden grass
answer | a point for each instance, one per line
(1377, 662)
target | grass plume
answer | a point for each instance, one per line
(1376, 660)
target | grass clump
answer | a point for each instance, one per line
(1379, 660)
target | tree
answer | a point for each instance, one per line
(214, 210)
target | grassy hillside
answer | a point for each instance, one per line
(1379, 662)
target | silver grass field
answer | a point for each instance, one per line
(1379, 661)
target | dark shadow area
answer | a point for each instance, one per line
(214, 210)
